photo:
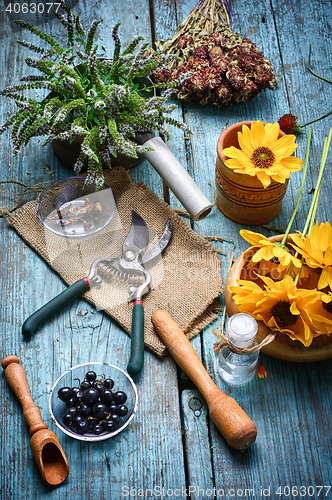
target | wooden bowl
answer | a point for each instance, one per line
(283, 347)
(242, 198)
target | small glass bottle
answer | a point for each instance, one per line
(235, 368)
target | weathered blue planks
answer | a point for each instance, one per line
(167, 445)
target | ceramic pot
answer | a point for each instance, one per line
(68, 153)
(282, 347)
(242, 198)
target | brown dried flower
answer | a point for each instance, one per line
(225, 67)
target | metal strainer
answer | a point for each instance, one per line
(69, 207)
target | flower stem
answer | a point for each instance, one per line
(301, 189)
(316, 119)
(314, 203)
(313, 207)
(312, 72)
(325, 80)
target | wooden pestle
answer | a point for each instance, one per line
(45, 446)
(233, 423)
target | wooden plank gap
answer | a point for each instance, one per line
(189, 154)
(280, 53)
(183, 429)
(152, 24)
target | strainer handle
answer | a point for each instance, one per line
(55, 305)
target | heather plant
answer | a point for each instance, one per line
(91, 98)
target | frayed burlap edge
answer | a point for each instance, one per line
(119, 180)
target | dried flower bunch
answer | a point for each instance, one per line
(225, 67)
(262, 154)
(291, 295)
(93, 99)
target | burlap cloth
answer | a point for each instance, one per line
(191, 282)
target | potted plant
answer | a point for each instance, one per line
(99, 109)
(93, 101)
(254, 163)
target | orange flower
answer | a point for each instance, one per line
(261, 371)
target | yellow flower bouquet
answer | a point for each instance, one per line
(287, 284)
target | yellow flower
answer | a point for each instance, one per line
(276, 258)
(298, 313)
(262, 154)
(292, 311)
(321, 314)
(246, 294)
(317, 250)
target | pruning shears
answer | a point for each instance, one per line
(128, 268)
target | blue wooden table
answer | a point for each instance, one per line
(172, 450)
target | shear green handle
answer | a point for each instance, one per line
(136, 360)
(55, 305)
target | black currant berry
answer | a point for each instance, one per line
(91, 376)
(85, 385)
(70, 403)
(113, 408)
(77, 419)
(65, 393)
(84, 410)
(97, 429)
(108, 425)
(90, 397)
(72, 411)
(82, 427)
(115, 419)
(109, 383)
(120, 397)
(99, 411)
(106, 396)
(123, 410)
(98, 386)
(78, 397)
(67, 419)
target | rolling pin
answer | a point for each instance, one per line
(45, 446)
(233, 423)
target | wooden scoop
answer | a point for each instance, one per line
(233, 423)
(44, 444)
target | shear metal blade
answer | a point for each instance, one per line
(160, 246)
(138, 236)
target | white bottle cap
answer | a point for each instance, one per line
(241, 329)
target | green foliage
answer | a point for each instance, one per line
(100, 102)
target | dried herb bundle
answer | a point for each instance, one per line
(225, 67)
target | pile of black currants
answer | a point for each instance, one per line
(93, 408)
